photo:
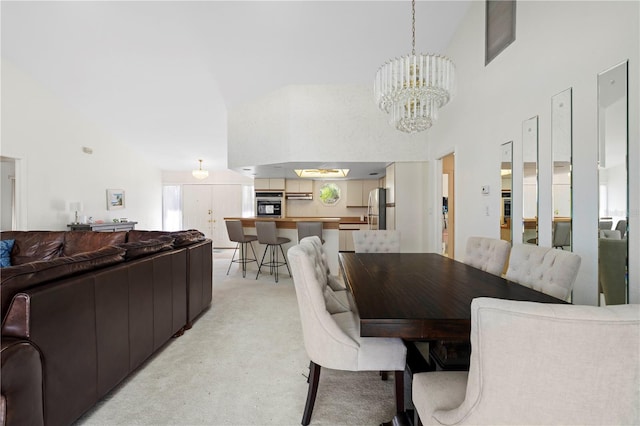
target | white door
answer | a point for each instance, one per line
(204, 208)
(197, 208)
(227, 202)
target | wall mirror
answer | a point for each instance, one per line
(506, 176)
(613, 179)
(561, 150)
(530, 181)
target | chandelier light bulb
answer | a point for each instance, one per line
(412, 88)
(199, 173)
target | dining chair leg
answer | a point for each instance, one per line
(399, 381)
(314, 378)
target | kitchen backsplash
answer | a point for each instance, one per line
(315, 207)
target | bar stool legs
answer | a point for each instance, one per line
(274, 262)
(243, 259)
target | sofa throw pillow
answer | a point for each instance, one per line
(5, 252)
(136, 249)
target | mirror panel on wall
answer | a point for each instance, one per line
(530, 180)
(506, 176)
(561, 145)
(613, 181)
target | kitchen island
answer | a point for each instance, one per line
(287, 227)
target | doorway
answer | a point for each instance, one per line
(448, 205)
(8, 214)
(204, 208)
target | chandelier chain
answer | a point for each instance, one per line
(413, 27)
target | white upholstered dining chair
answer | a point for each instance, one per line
(376, 241)
(536, 363)
(333, 340)
(336, 296)
(550, 271)
(488, 254)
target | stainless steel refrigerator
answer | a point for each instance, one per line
(377, 209)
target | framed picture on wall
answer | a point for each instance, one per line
(115, 199)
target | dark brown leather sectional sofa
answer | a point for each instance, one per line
(82, 310)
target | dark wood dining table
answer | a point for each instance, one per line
(422, 296)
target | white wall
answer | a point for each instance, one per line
(558, 44)
(317, 123)
(47, 138)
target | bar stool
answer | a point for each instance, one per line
(309, 229)
(236, 234)
(267, 234)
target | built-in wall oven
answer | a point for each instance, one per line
(506, 204)
(269, 204)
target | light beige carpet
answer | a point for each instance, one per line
(242, 363)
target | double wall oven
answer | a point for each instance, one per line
(269, 204)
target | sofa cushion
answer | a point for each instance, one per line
(86, 241)
(21, 277)
(137, 249)
(181, 238)
(33, 246)
(188, 237)
(136, 235)
(5, 252)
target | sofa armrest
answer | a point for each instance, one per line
(21, 383)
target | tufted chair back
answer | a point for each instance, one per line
(550, 271)
(540, 364)
(488, 254)
(376, 241)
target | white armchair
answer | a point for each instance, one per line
(488, 254)
(333, 340)
(376, 241)
(535, 363)
(550, 271)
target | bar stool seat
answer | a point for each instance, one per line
(309, 229)
(237, 235)
(267, 234)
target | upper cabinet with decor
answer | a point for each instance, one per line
(358, 192)
(268, 184)
(299, 185)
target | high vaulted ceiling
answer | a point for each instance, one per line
(160, 76)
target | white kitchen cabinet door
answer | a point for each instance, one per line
(354, 194)
(269, 184)
(367, 186)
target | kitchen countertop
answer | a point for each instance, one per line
(290, 222)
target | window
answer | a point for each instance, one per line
(330, 194)
(171, 211)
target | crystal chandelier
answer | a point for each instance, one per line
(199, 173)
(412, 88)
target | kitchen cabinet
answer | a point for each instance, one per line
(268, 184)
(299, 185)
(358, 192)
(346, 235)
